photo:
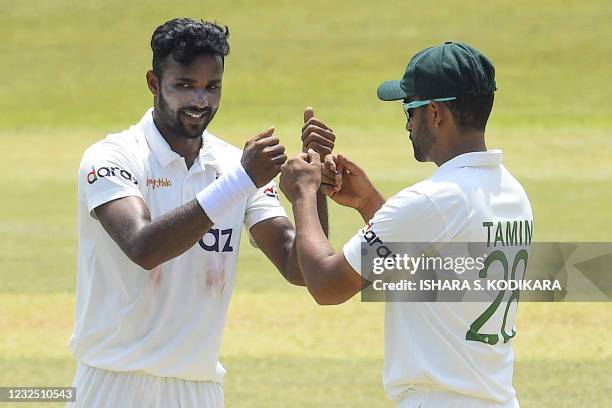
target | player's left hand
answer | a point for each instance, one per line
(301, 175)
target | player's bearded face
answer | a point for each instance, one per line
(421, 136)
(189, 95)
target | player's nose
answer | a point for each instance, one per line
(200, 99)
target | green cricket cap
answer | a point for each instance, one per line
(446, 70)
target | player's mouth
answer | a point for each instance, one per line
(195, 116)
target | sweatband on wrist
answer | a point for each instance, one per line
(219, 198)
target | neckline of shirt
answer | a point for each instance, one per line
(489, 158)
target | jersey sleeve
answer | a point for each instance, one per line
(263, 204)
(406, 217)
(107, 172)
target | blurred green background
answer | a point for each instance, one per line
(73, 71)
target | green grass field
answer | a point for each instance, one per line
(74, 70)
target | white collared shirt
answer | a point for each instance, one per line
(425, 343)
(169, 321)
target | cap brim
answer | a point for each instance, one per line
(391, 91)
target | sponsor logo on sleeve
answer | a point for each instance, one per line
(382, 250)
(102, 172)
(271, 192)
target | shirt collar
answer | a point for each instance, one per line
(474, 159)
(162, 151)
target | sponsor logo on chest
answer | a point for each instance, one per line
(159, 182)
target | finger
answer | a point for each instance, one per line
(266, 133)
(330, 183)
(329, 162)
(310, 129)
(316, 122)
(327, 179)
(301, 157)
(313, 157)
(280, 159)
(268, 141)
(308, 113)
(339, 160)
(325, 170)
(328, 190)
(322, 150)
(274, 150)
(314, 137)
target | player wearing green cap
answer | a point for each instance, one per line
(436, 354)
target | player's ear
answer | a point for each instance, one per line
(153, 82)
(439, 113)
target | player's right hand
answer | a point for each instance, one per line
(263, 157)
(356, 188)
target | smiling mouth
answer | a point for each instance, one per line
(194, 115)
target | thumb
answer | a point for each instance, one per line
(314, 157)
(329, 162)
(308, 113)
(265, 133)
(350, 165)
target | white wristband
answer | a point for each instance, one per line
(220, 197)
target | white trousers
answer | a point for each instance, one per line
(97, 388)
(436, 399)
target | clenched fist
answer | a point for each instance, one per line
(318, 136)
(263, 157)
(301, 175)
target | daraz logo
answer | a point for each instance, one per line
(102, 172)
(271, 192)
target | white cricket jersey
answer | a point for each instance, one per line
(168, 321)
(425, 343)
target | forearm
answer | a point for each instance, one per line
(292, 270)
(168, 236)
(312, 246)
(371, 205)
(322, 212)
(152, 242)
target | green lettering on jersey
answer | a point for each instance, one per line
(511, 237)
(499, 235)
(488, 224)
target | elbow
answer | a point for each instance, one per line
(325, 298)
(295, 278)
(296, 282)
(142, 257)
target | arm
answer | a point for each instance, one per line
(328, 276)
(149, 243)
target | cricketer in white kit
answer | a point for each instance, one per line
(436, 354)
(161, 207)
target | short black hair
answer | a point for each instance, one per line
(471, 112)
(186, 39)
